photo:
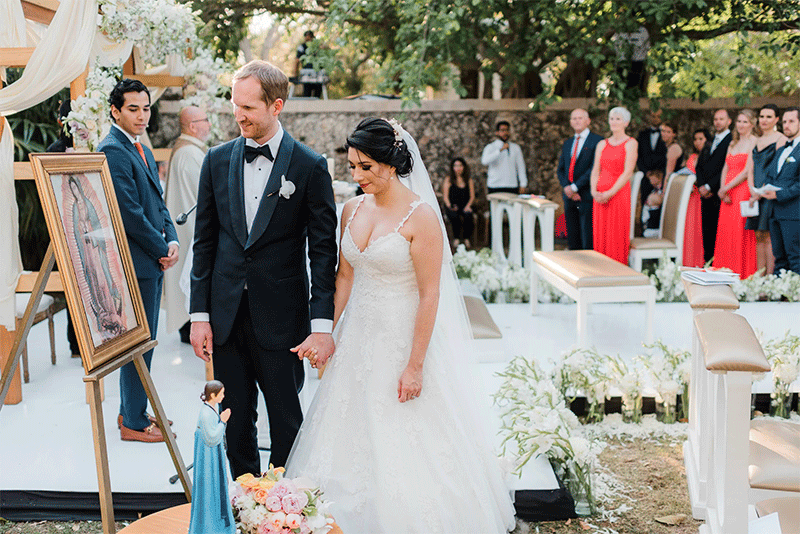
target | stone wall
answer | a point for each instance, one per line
(445, 129)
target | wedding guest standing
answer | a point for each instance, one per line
(693, 233)
(152, 239)
(674, 150)
(652, 152)
(784, 172)
(614, 163)
(574, 171)
(458, 191)
(506, 167)
(709, 171)
(736, 247)
(763, 152)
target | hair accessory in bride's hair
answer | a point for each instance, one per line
(398, 137)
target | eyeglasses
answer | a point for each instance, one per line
(200, 120)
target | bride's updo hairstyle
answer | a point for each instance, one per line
(380, 141)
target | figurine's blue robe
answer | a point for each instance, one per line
(211, 506)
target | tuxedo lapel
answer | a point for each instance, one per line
(270, 198)
(236, 190)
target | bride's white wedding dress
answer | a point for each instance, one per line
(391, 467)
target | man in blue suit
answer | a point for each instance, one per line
(784, 172)
(151, 235)
(574, 170)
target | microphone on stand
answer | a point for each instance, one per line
(181, 218)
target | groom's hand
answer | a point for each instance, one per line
(317, 347)
(202, 340)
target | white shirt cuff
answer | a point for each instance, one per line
(706, 187)
(174, 243)
(199, 317)
(321, 326)
(574, 187)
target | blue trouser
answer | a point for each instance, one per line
(133, 399)
(785, 236)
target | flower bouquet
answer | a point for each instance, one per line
(272, 504)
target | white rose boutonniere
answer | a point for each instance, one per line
(790, 159)
(287, 188)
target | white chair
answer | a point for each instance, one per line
(671, 229)
(636, 185)
(45, 310)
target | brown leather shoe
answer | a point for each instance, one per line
(151, 434)
(150, 417)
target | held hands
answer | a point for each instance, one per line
(225, 415)
(170, 259)
(410, 384)
(317, 347)
(602, 197)
(202, 340)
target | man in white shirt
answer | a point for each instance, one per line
(181, 196)
(506, 173)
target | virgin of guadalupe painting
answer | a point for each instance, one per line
(94, 254)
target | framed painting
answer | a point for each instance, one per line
(91, 249)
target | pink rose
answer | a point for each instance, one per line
(283, 488)
(273, 503)
(294, 503)
(293, 520)
(277, 520)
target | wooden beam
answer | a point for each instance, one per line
(26, 281)
(161, 154)
(41, 11)
(15, 57)
(23, 170)
(78, 86)
(158, 80)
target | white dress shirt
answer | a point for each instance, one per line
(506, 167)
(717, 139)
(785, 151)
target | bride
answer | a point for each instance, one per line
(391, 436)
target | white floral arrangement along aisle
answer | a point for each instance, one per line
(163, 31)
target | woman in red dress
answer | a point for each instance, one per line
(693, 233)
(736, 247)
(614, 162)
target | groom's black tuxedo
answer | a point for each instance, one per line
(254, 328)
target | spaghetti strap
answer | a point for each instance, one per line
(410, 211)
(358, 205)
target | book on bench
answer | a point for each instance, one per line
(710, 278)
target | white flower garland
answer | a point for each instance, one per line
(89, 120)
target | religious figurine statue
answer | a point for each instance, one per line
(211, 507)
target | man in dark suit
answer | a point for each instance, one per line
(260, 196)
(709, 173)
(784, 172)
(652, 153)
(151, 235)
(574, 170)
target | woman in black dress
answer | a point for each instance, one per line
(458, 191)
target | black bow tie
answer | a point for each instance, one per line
(789, 144)
(252, 152)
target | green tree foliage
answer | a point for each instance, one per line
(569, 42)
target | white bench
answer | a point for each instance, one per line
(500, 203)
(587, 277)
(695, 451)
(732, 353)
(544, 211)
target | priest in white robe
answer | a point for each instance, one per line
(181, 196)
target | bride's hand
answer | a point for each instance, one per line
(410, 384)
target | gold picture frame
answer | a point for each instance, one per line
(91, 249)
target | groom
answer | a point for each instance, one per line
(260, 196)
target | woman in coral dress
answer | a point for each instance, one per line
(614, 162)
(693, 234)
(735, 247)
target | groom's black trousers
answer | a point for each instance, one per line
(243, 366)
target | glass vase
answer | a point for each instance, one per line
(632, 408)
(781, 404)
(595, 411)
(666, 408)
(579, 484)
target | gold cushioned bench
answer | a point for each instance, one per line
(588, 277)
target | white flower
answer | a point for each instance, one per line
(287, 188)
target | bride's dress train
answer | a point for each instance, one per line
(391, 467)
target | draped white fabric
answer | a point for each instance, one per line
(10, 262)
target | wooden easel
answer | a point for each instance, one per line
(92, 379)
